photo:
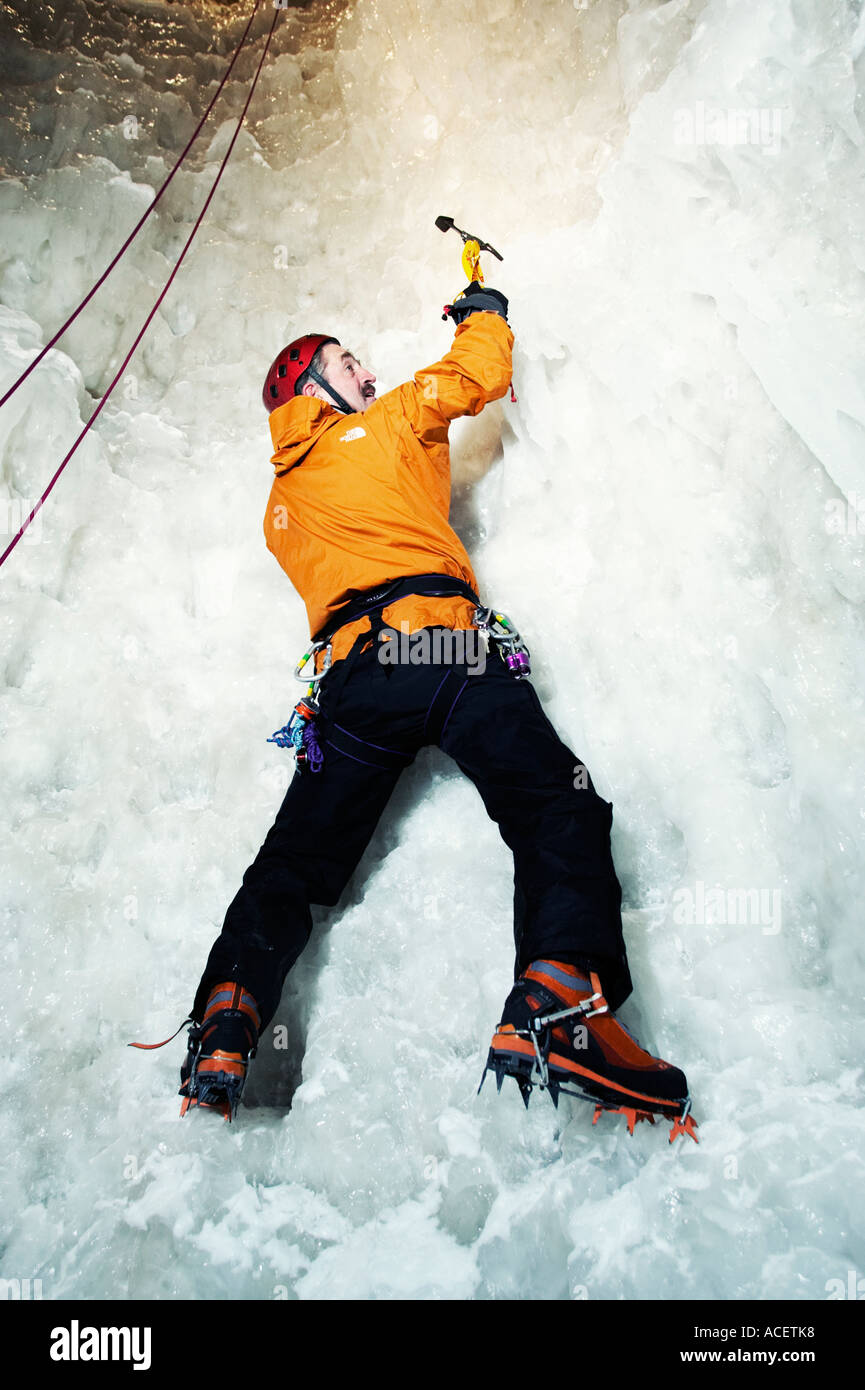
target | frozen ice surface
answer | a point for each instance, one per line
(674, 511)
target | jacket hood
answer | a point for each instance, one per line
(295, 427)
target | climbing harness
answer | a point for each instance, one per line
(302, 733)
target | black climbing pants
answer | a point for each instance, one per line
(374, 718)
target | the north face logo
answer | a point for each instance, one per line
(356, 433)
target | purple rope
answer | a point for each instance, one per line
(16, 538)
(314, 755)
(136, 229)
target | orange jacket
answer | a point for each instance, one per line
(361, 499)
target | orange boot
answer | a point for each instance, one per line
(557, 1033)
(219, 1050)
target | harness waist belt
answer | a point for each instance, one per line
(424, 585)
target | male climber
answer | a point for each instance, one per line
(358, 519)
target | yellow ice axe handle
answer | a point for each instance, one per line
(472, 262)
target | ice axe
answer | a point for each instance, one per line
(472, 248)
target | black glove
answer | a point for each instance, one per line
(474, 298)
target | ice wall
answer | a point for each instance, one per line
(673, 512)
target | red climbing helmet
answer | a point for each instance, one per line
(291, 363)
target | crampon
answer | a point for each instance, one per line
(213, 1075)
(557, 1033)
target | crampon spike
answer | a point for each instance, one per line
(222, 1107)
(632, 1115)
(220, 1048)
(498, 1072)
(558, 1033)
(225, 1104)
(685, 1124)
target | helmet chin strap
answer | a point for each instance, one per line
(341, 403)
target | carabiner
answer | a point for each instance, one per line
(310, 656)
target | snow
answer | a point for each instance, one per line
(674, 513)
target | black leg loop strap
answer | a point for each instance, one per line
(336, 678)
(342, 740)
(372, 754)
(449, 690)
